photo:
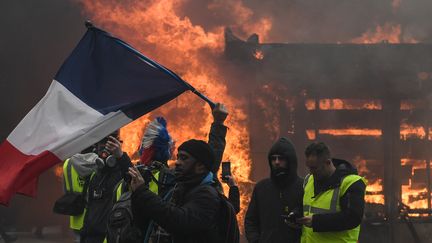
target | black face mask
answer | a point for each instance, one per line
(280, 176)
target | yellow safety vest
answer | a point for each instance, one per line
(327, 202)
(153, 186)
(73, 183)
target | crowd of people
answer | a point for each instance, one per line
(109, 199)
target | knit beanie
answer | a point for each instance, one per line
(200, 150)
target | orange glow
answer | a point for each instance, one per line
(310, 104)
(407, 105)
(349, 104)
(272, 118)
(58, 171)
(413, 104)
(344, 104)
(258, 54)
(410, 131)
(374, 189)
(161, 31)
(374, 192)
(388, 33)
(352, 132)
(311, 134)
(415, 195)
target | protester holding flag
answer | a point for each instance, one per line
(103, 85)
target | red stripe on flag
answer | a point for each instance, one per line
(19, 172)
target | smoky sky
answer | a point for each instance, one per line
(317, 21)
(36, 36)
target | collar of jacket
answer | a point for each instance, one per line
(208, 179)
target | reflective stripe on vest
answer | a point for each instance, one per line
(73, 183)
(323, 203)
(153, 186)
(119, 189)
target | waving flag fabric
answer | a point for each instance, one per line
(103, 85)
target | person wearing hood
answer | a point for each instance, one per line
(333, 201)
(275, 198)
(76, 174)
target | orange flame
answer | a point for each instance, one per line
(352, 132)
(344, 104)
(415, 194)
(311, 134)
(388, 33)
(349, 104)
(374, 189)
(159, 30)
(258, 54)
(409, 131)
(310, 104)
(58, 171)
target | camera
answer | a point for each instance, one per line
(146, 172)
(292, 216)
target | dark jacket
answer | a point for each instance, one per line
(99, 207)
(234, 198)
(351, 203)
(272, 198)
(193, 219)
(217, 143)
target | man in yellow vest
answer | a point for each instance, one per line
(333, 200)
(76, 171)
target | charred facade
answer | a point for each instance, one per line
(371, 103)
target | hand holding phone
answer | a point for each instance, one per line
(226, 171)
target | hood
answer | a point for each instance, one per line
(285, 148)
(84, 164)
(344, 167)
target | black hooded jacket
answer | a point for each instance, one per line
(351, 203)
(273, 198)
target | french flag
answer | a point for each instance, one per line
(103, 85)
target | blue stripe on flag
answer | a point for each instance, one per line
(109, 75)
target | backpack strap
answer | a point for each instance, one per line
(85, 187)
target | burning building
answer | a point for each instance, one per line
(370, 102)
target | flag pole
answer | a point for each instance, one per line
(205, 98)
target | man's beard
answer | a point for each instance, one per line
(183, 175)
(280, 176)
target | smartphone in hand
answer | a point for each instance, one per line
(226, 170)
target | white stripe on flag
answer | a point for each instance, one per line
(62, 124)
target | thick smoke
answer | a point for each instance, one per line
(315, 21)
(35, 38)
